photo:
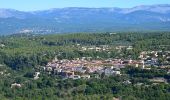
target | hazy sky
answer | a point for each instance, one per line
(30, 5)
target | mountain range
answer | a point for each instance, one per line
(77, 19)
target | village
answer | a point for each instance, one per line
(84, 67)
(87, 67)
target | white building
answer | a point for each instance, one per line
(36, 76)
(15, 85)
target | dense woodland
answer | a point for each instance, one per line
(23, 54)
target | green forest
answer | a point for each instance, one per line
(21, 55)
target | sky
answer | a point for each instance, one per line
(32, 5)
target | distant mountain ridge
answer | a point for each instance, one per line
(77, 19)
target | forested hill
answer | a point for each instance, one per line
(32, 47)
(23, 55)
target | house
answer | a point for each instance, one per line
(114, 98)
(112, 33)
(98, 49)
(158, 80)
(138, 84)
(116, 73)
(127, 82)
(57, 70)
(136, 65)
(15, 85)
(1, 72)
(85, 76)
(143, 64)
(91, 48)
(49, 69)
(67, 74)
(84, 48)
(109, 71)
(75, 77)
(36, 76)
(2, 45)
(129, 48)
(80, 69)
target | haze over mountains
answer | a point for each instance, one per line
(76, 19)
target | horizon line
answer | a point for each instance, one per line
(82, 7)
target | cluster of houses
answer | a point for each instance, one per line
(96, 48)
(155, 58)
(124, 47)
(83, 68)
(104, 48)
(86, 67)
